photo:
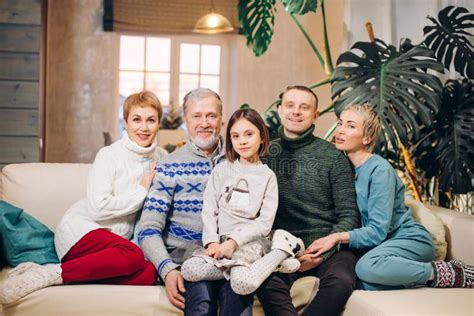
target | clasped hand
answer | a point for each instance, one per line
(224, 250)
(321, 245)
(312, 257)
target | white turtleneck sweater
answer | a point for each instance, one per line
(114, 194)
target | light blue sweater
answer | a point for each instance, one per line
(380, 198)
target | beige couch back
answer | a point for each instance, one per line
(47, 190)
(44, 190)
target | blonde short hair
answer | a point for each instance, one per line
(142, 99)
(372, 125)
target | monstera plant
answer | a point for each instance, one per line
(402, 84)
(396, 82)
(447, 38)
(446, 149)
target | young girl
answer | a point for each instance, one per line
(240, 203)
(400, 251)
(92, 239)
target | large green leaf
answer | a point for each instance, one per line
(448, 38)
(272, 119)
(446, 150)
(257, 20)
(300, 6)
(396, 83)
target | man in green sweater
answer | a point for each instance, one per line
(316, 198)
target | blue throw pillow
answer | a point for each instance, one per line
(23, 238)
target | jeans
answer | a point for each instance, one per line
(337, 281)
(202, 298)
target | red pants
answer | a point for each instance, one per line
(105, 257)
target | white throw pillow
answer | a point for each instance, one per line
(432, 223)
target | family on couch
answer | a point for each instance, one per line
(197, 198)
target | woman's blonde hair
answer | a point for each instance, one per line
(142, 99)
(372, 125)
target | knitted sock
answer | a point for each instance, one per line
(21, 268)
(452, 274)
(197, 269)
(468, 272)
(33, 279)
(246, 280)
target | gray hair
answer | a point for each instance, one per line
(199, 94)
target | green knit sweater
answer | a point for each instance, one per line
(316, 187)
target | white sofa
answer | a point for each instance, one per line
(46, 190)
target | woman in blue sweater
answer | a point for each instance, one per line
(399, 252)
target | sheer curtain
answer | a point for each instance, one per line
(172, 17)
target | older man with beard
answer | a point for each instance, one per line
(170, 227)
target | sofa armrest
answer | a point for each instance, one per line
(459, 233)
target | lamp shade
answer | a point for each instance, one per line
(213, 23)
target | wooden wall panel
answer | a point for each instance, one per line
(20, 38)
(20, 41)
(19, 94)
(18, 123)
(19, 149)
(15, 66)
(20, 11)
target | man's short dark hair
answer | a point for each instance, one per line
(301, 88)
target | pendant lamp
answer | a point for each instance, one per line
(213, 23)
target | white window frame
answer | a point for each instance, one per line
(176, 41)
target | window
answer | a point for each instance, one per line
(199, 66)
(145, 64)
(168, 66)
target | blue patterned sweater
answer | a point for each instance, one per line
(170, 226)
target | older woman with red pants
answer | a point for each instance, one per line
(93, 238)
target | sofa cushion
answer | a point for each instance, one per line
(432, 223)
(100, 299)
(422, 301)
(23, 238)
(96, 299)
(44, 190)
(459, 233)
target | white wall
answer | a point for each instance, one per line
(393, 20)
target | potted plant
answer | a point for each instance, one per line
(403, 85)
(170, 135)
